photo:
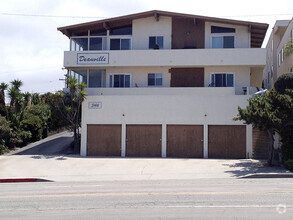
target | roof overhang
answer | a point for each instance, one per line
(257, 30)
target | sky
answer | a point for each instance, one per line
(32, 49)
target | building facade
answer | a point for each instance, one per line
(163, 84)
(277, 62)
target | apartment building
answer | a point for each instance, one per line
(164, 84)
(277, 62)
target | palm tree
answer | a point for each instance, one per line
(13, 93)
(16, 83)
(3, 87)
(26, 97)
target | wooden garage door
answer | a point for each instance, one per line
(227, 141)
(185, 141)
(104, 140)
(143, 140)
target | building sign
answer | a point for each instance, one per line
(95, 105)
(92, 58)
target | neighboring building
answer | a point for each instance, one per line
(277, 63)
(165, 84)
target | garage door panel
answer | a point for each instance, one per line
(104, 140)
(185, 141)
(227, 141)
(144, 140)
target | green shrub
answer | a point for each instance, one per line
(289, 164)
(284, 82)
(3, 149)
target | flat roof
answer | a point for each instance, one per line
(257, 30)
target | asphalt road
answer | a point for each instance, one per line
(175, 199)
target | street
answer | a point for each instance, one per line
(189, 199)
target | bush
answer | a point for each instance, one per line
(289, 164)
(3, 149)
(284, 82)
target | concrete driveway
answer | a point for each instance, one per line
(56, 164)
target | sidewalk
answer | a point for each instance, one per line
(77, 168)
(48, 159)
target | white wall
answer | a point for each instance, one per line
(242, 35)
(143, 28)
(182, 58)
(163, 109)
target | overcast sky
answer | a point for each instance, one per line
(32, 48)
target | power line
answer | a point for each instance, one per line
(26, 70)
(263, 15)
(46, 16)
(94, 17)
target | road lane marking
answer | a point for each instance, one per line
(140, 193)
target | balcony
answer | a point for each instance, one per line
(255, 57)
(201, 91)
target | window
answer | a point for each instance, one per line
(96, 78)
(222, 80)
(79, 44)
(223, 42)
(97, 43)
(127, 30)
(120, 81)
(120, 44)
(79, 75)
(156, 42)
(155, 79)
(216, 29)
(222, 37)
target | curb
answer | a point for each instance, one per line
(268, 175)
(23, 180)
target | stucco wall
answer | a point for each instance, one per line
(242, 35)
(143, 28)
(164, 109)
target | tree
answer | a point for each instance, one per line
(269, 112)
(3, 109)
(16, 84)
(35, 119)
(26, 97)
(69, 105)
(35, 97)
(288, 49)
(3, 87)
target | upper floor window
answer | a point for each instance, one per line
(79, 44)
(126, 30)
(155, 79)
(120, 44)
(156, 42)
(222, 37)
(223, 42)
(120, 81)
(222, 80)
(98, 43)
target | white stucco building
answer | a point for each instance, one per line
(164, 84)
(277, 63)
